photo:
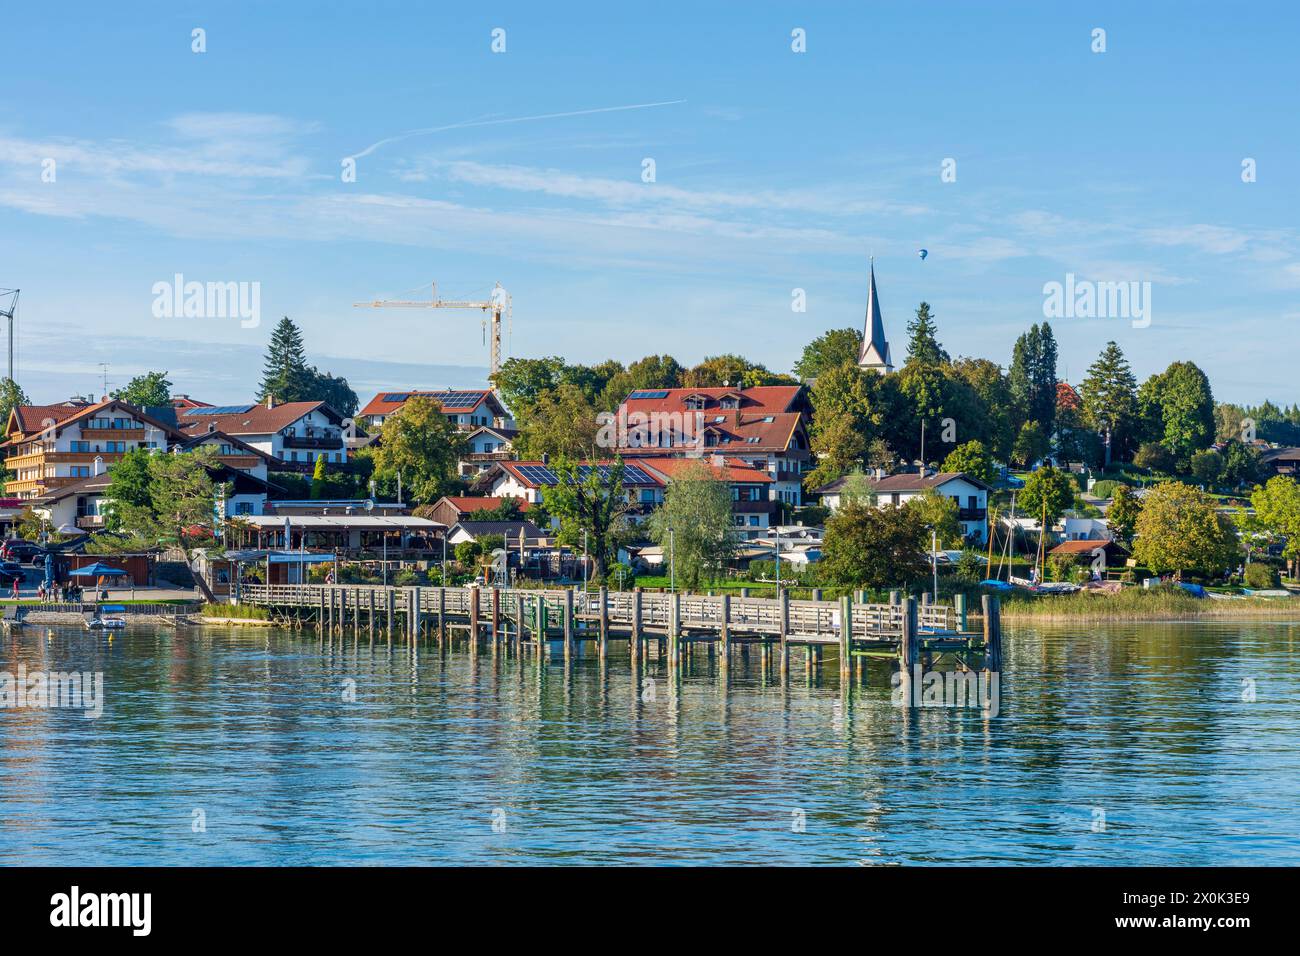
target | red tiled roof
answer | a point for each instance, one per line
(467, 504)
(728, 469)
(258, 420)
(385, 403)
(768, 399)
(902, 483)
(32, 418)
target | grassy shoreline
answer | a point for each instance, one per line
(1138, 605)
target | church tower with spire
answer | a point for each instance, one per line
(875, 347)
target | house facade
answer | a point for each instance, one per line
(764, 427)
(292, 433)
(49, 446)
(970, 494)
(467, 409)
(752, 508)
(530, 479)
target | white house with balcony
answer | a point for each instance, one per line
(970, 494)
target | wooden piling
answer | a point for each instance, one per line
(846, 636)
(636, 624)
(392, 614)
(371, 621)
(783, 629)
(959, 604)
(992, 632)
(442, 614)
(603, 617)
(725, 633)
(674, 629)
(474, 599)
(909, 645)
(496, 615)
(568, 621)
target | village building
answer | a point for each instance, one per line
(292, 433)
(485, 445)
(874, 356)
(765, 427)
(970, 494)
(83, 505)
(453, 509)
(467, 409)
(534, 537)
(49, 446)
(530, 479)
(752, 509)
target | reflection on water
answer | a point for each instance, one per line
(1115, 744)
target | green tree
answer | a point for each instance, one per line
(923, 344)
(1179, 530)
(829, 350)
(318, 477)
(129, 484)
(938, 512)
(1121, 517)
(972, 459)
(1032, 377)
(1207, 466)
(995, 408)
(149, 389)
(178, 493)
(651, 372)
(561, 422)
(1109, 395)
(1048, 488)
(423, 445)
(1277, 512)
(334, 391)
(1155, 457)
(595, 503)
(285, 374)
(1031, 444)
(11, 396)
(697, 514)
(734, 371)
(1177, 408)
(873, 547)
(1241, 464)
(522, 381)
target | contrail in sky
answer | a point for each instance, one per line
(512, 119)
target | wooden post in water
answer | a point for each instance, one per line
(783, 629)
(895, 598)
(725, 633)
(496, 615)
(323, 620)
(636, 624)
(568, 621)
(909, 645)
(674, 629)
(392, 613)
(442, 614)
(959, 603)
(473, 616)
(846, 636)
(539, 621)
(416, 615)
(817, 594)
(519, 620)
(372, 616)
(603, 616)
(992, 633)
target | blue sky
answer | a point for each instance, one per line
(775, 171)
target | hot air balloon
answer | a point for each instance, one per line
(923, 253)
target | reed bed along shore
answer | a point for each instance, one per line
(1136, 605)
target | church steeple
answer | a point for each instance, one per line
(875, 348)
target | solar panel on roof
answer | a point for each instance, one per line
(396, 397)
(649, 394)
(219, 410)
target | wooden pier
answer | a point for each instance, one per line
(673, 624)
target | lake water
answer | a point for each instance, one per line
(1115, 744)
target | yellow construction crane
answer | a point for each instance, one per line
(498, 304)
